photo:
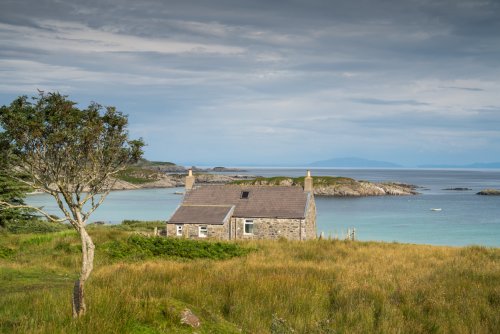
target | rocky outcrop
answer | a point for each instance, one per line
(489, 192)
(341, 186)
(364, 188)
(189, 318)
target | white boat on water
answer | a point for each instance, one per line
(436, 209)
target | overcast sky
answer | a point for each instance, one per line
(227, 82)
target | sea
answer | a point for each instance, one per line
(437, 216)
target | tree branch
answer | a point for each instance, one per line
(96, 205)
(11, 206)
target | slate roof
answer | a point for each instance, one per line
(262, 201)
(202, 214)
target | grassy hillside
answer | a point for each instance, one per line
(145, 171)
(138, 175)
(147, 163)
(260, 287)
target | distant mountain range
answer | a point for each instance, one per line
(365, 163)
(473, 165)
(346, 162)
(354, 162)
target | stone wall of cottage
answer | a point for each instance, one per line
(191, 231)
(310, 223)
(268, 228)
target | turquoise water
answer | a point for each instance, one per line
(465, 218)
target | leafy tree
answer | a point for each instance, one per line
(11, 191)
(71, 154)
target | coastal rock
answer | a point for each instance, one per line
(489, 192)
(458, 189)
(364, 188)
(341, 186)
(123, 185)
(189, 318)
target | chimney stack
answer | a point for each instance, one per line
(189, 180)
(308, 182)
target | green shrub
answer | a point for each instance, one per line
(141, 224)
(36, 226)
(145, 247)
(131, 221)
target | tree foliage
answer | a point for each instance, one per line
(65, 150)
(11, 191)
(71, 154)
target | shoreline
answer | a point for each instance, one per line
(324, 186)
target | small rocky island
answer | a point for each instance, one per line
(339, 186)
(489, 192)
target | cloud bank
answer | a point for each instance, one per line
(265, 82)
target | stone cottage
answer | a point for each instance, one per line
(230, 212)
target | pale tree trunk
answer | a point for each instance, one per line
(79, 306)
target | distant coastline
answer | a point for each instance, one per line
(150, 175)
(324, 185)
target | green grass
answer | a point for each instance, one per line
(137, 175)
(147, 163)
(36, 226)
(318, 286)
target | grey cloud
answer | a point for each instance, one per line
(471, 89)
(389, 102)
(319, 68)
(471, 122)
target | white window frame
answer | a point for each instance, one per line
(179, 229)
(248, 222)
(200, 234)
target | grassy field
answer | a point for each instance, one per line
(252, 287)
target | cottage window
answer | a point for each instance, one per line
(178, 230)
(245, 194)
(248, 226)
(202, 232)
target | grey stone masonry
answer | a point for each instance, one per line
(268, 228)
(263, 228)
(192, 231)
(268, 212)
(310, 221)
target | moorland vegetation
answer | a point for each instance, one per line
(142, 284)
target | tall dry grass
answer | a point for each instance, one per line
(314, 287)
